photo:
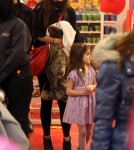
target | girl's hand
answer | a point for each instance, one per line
(85, 92)
(90, 88)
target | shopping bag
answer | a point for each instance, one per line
(39, 57)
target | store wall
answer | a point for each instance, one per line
(122, 16)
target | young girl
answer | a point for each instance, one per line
(81, 84)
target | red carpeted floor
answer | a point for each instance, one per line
(36, 138)
(57, 138)
(56, 135)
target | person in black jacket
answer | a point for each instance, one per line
(15, 73)
(25, 13)
(45, 14)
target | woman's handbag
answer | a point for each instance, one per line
(39, 58)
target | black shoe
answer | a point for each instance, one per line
(48, 144)
(30, 126)
(66, 145)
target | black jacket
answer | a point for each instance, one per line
(25, 13)
(15, 41)
(38, 29)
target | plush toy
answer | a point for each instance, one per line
(56, 69)
(55, 32)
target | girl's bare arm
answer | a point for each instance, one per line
(71, 92)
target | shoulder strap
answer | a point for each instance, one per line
(60, 18)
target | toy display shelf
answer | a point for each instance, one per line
(92, 31)
(96, 33)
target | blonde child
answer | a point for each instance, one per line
(81, 84)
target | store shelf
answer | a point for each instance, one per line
(90, 32)
(110, 22)
(105, 35)
(88, 22)
(95, 29)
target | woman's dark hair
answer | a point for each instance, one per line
(6, 9)
(76, 57)
(46, 10)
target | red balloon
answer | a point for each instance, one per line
(112, 6)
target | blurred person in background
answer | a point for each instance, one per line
(114, 57)
(15, 73)
(11, 135)
(23, 12)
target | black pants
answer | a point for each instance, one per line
(46, 110)
(19, 92)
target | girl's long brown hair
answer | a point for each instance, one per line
(76, 58)
(46, 10)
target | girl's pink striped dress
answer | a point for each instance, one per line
(80, 109)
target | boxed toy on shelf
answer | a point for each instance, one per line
(89, 24)
(109, 24)
(93, 24)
